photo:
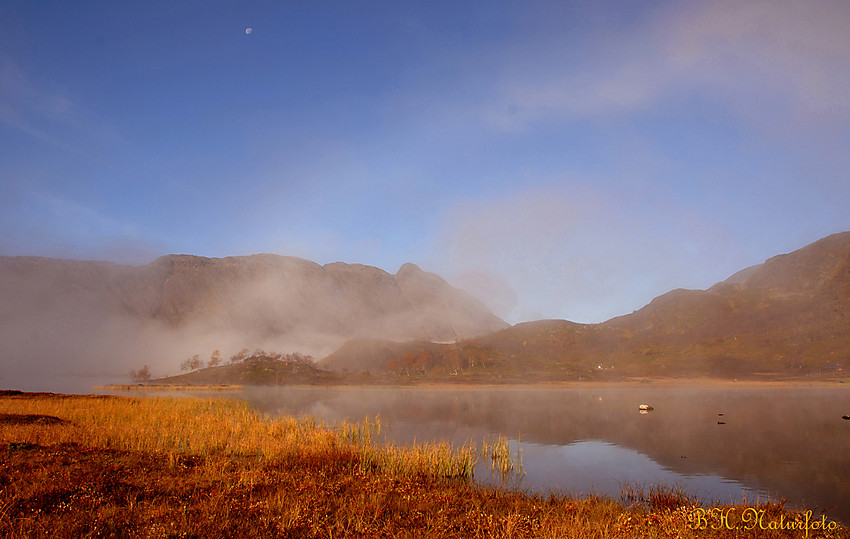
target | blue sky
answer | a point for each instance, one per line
(559, 160)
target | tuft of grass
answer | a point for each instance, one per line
(439, 460)
(656, 497)
(498, 453)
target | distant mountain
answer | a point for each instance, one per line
(71, 315)
(789, 316)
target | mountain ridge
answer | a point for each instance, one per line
(786, 317)
(67, 310)
(789, 316)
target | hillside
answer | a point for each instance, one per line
(256, 371)
(787, 317)
(99, 317)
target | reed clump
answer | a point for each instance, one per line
(500, 457)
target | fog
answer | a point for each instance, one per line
(63, 319)
(580, 253)
(58, 354)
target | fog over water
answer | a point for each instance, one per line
(786, 443)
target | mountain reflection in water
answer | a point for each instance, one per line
(788, 442)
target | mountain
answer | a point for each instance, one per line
(789, 316)
(100, 316)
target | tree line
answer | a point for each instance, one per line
(195, 363)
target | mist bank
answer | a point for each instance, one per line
(100, 319)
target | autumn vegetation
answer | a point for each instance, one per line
(195, 363)
(255, 368)
(82, 466)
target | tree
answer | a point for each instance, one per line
(240, 356)
(215, 359)
(144, 374)
(191, 364)
(296, 357)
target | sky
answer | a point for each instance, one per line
(556, 159)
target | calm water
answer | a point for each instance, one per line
(786, 443)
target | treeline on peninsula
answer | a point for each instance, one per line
(292, 361)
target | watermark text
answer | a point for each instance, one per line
(750, 518)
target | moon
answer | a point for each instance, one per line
(249, 30)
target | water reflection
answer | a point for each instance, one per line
(597, 467)
(789, 442)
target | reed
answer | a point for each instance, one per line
(440, 460)
(165, 425)
(502, 460)
(216, 427)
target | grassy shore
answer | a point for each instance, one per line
(77, 466)
(169, 387)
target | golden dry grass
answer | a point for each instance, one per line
(209, 427)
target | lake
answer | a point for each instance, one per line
(725, 444)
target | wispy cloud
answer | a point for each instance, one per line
(51, 116)
(23, 107)
(578, 252)
(791, 56)
(53, 225)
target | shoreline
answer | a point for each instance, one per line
(169, 387)
(633, 383)
(595, 384)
